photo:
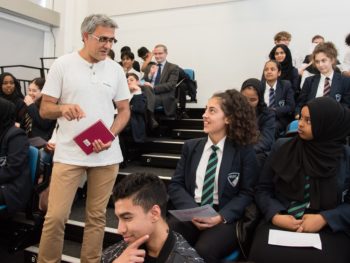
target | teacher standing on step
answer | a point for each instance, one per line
(79, 91)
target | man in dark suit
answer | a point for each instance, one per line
(164, 81)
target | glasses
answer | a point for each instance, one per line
(104, 40)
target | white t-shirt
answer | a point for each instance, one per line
(73, 80)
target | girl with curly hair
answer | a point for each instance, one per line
(219, 170)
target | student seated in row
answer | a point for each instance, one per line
(252, 90)
(32, 123)
(138, 104)
(278, 95)
(328, 82)
(15, 180)
(304, 187)
(219, 170)
(282, 55)
(11, 91)
(140, 206)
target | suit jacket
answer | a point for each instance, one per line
(340, 90)
(165, 89)
(235, 160)
(271, 202)
(284, 97)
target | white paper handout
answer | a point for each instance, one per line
(188, 214)
(294, 239)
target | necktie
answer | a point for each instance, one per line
(272, 98)
(209, 178)
(297, 208)
(159, 72)
(327, 87)
(28, 123)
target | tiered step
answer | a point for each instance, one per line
(186, 133)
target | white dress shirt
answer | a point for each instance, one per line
(202, 166)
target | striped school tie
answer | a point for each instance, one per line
(272, 98)
(28, 124)
(297, 208)
(327, 87)
(209, 179)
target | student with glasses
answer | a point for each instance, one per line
(79, 91)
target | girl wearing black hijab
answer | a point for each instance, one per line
(304, 187)
(252, 90)
(11, 91)
(282, 55)
(15, 181)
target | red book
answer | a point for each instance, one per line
(96, 131)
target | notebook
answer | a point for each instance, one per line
(96, 131)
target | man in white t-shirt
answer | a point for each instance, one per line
(79, 90)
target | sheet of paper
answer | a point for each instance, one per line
(188, 214)
(294, 239)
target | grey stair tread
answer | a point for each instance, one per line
(137, 167)
(189, 130)
(168, 140)
(70, 253)
(162, 155)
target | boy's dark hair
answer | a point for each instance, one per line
(142, 52)
(111, 54)
(124, 49)
(132, 75)
(347, 40)
(127, 54)
(145, 189)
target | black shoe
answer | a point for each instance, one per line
(153, 123)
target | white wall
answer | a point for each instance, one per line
(20, 45)
(224, 42)
(229, 42)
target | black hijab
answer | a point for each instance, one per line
(286, 64)
(16, 94)
(7, 116)
(319, 158)
(257, 86)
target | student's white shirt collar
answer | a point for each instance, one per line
(220, 144)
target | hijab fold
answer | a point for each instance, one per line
(318, 158)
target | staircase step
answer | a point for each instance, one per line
(70, 254)
(160, 159)
(187, 133)
(184, 123)
(164, 145)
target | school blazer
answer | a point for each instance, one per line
(271, 202)
(266, 126)
(340, 90)
(233, 198)
(284, 97)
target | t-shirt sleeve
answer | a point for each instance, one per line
(53, 83)
(123, 92)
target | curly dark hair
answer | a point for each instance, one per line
(242, 128)
(145, 190)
